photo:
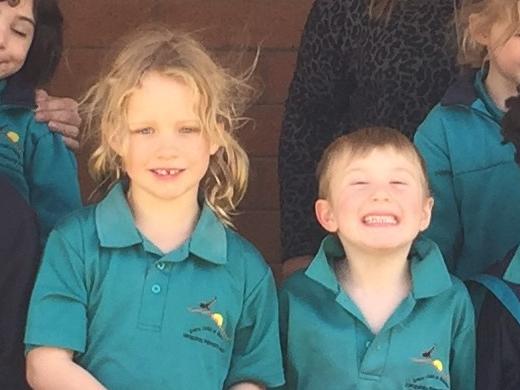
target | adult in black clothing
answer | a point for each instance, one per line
(19, 258)
(360, 63)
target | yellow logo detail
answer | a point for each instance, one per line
(219, 320)
(205, 309)
(13, 137)
(437, 364)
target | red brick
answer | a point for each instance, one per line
(97, 23)
(260, 137)
(223, 23)
(78, 70)
(262, 193)
(262, 228)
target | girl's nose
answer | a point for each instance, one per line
(168, 146)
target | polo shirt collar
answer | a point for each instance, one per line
(116, 229)
(430, 275)
(114, 220)
(512, 272)
(15, 91)
(469, 90)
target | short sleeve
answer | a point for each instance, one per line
(256, 352)
(57, 311)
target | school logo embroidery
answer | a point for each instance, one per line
(217, 327)
(438, 376)
(12, 136)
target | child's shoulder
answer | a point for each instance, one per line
(242, 253)
(77, 225)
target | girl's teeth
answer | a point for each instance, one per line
(380, 219)
(165, 172)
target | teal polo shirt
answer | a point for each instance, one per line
(35, 160)
(427, 343)
(474, 178)
(204, 316)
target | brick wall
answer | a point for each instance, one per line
(225, 26)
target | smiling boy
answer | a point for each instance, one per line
(376, 308)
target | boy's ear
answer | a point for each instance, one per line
(325, 216)
(477, 31)
(427, 214)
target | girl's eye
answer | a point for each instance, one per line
(144, 131)
(188, 130)
(359, 183)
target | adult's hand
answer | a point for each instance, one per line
(61, 115)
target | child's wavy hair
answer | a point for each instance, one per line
(359, 144)
(483, 15)
(47, 44)
(222, 99)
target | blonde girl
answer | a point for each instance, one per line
(473, 173)
(151, 288)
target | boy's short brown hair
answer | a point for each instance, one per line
(359, 144)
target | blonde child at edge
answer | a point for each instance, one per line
(376, 308)
(472, 170)
(150, 288)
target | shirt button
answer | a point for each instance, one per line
(156, 289)
(367, 344)
(160, 265)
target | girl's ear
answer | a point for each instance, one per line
(213, 147)
(325, 215)
(477, 31)
(117, 145)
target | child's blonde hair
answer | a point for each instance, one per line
(484, 14)
(359, 144)
(222, 99)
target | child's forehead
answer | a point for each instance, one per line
(392, 157)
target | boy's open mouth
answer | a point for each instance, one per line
(380, 220)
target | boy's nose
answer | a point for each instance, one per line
(380, 194)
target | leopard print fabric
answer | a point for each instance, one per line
(352, 72)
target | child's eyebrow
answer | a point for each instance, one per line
(26, 19)
(404, 170)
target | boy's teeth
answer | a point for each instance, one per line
(380, 219)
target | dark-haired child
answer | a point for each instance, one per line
(34, 159)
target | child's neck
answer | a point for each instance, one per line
(499, 88)
(377, 282)
(167, 224)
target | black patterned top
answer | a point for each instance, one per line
(351, 72)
